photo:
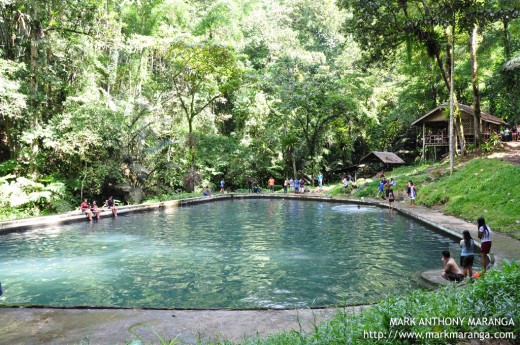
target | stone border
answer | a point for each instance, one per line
(77, 216)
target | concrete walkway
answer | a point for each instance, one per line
(112, 326)
(504, 247)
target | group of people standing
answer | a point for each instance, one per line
(253, 186)
(297, 185)
(290, 185)
(92, 210)
(386, 190)
(510, 134)
(347, 181)
(451, 270)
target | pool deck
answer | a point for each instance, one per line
(112, 326)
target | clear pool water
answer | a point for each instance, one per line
(250, 253)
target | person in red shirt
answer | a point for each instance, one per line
(85, 208)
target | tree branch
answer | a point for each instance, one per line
(54, 28)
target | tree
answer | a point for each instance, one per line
(381, 27)
(12, 105)
(30, 32)
(195, 75)
(309, 99)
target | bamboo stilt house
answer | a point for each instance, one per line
(435, 125)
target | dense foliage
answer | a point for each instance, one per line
(139, 99)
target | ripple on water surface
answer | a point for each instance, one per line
(227, 254)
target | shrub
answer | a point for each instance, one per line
(22, 197)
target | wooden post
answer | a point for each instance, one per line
(452, 90)
(423, 141)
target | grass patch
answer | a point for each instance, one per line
(480, 187)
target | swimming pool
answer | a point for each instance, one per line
(242, 253)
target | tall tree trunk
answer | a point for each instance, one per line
(35, 123)
(295, 172)
(433, 85)
(452, 95)
(455, 119)
(8, 39)
(474, 82)
(507, 41)
(9, 133)
(445, 78)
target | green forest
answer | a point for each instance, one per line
(149, 98)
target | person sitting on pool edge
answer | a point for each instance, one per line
(452, 271)
(112, 206)
(95, 209)
(207, 191)
(85, 208)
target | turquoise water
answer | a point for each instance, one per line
(230, 254)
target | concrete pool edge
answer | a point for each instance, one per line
(77, 216)
(59, 326)
(65, 326)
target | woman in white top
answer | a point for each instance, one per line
(412, 193)
(484, 233)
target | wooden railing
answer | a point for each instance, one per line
(436, 140)
(443, 140)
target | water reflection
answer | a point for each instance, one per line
(230, 254)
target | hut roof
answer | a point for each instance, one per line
(429, 116)
(385, 157)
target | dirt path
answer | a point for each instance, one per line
(510, 152)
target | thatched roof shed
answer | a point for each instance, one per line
(382, 157)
